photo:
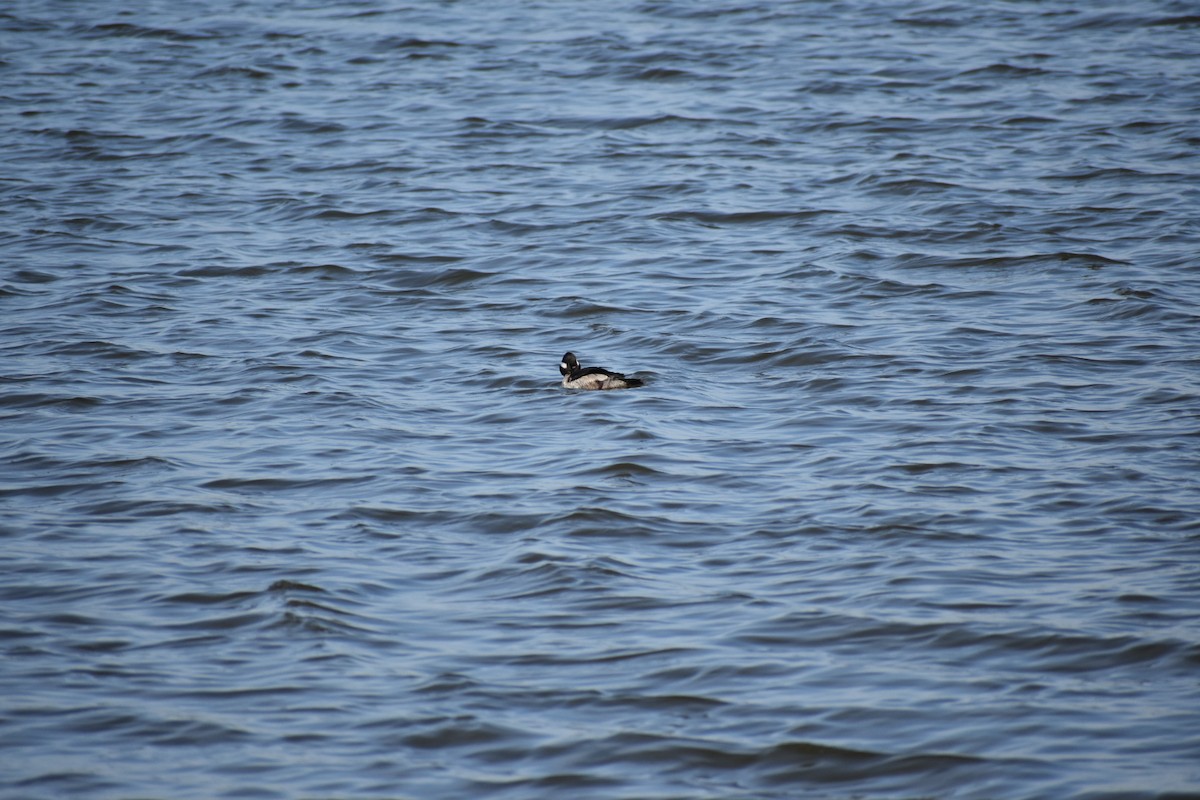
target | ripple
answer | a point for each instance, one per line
(294, 501)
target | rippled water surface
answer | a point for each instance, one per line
(294, 506)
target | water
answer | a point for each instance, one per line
(293, 505)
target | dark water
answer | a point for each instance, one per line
(293, 505)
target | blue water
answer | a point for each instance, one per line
(292, 503)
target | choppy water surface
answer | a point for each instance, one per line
(293, 505)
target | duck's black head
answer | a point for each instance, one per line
(568, 364)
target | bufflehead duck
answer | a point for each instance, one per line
(577, 377)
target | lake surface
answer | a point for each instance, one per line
(292, 504)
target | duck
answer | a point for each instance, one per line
(577, 377)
